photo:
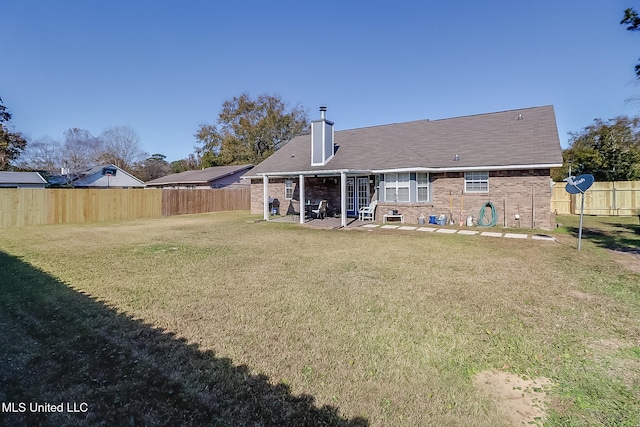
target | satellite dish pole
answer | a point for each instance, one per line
(576, 185)
(581, 216)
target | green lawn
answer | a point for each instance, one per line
(220, 319)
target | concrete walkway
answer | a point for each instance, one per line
(466, 232)
(335, 223)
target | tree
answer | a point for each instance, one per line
(121, 147)
(610, 150)
(11, 143)
(249, 130)
(632, 20)
(80, 150)
(153, 167)
(192, 162)
(44, 154)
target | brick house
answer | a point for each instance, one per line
(421, 168)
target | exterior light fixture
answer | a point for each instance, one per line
(456, 158)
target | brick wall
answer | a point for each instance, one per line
(315, 189)
(526, 193)
(276, 190)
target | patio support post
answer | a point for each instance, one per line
(343, 199)
(302, 200)
(265, 196)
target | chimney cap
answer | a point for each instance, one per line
(323, 108)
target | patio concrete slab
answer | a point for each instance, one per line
(390, 226)
(370, 226)
(543, 237)
(491, 234)
(447, 230)
(468, 232)
(429, 229)
(407, 227)
(515, 236)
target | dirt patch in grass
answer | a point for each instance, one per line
(607, 345)
(520, 401)
(582, 295)
(620, 359)
(629, 260)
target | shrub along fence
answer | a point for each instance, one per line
(22, 207)
(619, 198)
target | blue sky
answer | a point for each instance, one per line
(164, 67)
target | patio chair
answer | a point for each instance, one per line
(368, 212)
(321, 212)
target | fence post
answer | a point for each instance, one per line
(613, 198)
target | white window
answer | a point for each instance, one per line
(422, 182)
(476, 182)
(288, 188)
(396, 187)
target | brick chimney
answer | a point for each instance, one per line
(321, 140)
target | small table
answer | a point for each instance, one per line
(309, 207)
(385, 217)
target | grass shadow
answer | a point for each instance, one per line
(60, 346)
(612, 235)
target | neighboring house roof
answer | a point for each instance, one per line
(199, 177)
(524, 138)
(103, 176)
(21, 178)
(61, 180)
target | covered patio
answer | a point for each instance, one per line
(346, 191)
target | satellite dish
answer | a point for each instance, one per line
(579, 184)
(575, 185)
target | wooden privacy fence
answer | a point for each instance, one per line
(619, 198)
(188, 201)
(22, 207)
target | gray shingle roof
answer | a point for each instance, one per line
(493, 140)
(21, 178)
(202, 176)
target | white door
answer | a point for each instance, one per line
(357, 194)
(351, 211)
(362, 195)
